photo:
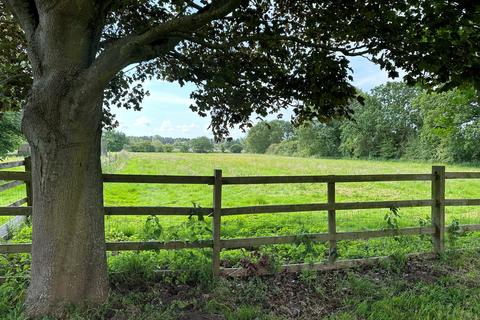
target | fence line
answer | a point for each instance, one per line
(5, 229)
(437, 203)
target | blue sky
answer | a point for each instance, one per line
(166, 111)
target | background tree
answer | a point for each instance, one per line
(115, 140)
(142, 146)
(168, 148)
(244, 57)
(236, 148)
(384, 125)
(182, 147)
(15, 71)
(451, 126)
(158, 146)
(319, 139)
(264, 134)
(201, 145)
(11, 136)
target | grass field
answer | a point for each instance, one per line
(418, 290)
(180, 228)
(10, 196)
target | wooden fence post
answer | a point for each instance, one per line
(332, 223)
(28, 184)
(217, 213)
(438, 208)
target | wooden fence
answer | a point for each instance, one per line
(437, 202)
(14, 222)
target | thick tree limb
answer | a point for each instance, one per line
(341, 48)
(148, 45)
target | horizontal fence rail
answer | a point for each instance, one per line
(325, 179)
(208, 180)
(150, 211)
(462, 175)
(129, 178)
(325, 207)
(121, 246)
(436, 230)
(323, 237)
(15, 175)
(24, 177)
(10, 185)
(13, 164)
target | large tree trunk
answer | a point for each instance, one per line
(68, 251)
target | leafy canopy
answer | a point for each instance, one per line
(257, 56)
(201, 145)
(10, 137)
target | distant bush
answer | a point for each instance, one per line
(264, 134)
(182, 147)
(236, 148)
(115, 141)
(159, 147)
(168, 148)
(286, 148)
(201, 145)
(142, 146)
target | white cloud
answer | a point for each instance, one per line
(163, 98)
(165, 126)
(371, 81)
(186, 127)
(142, 122)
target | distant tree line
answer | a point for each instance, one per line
(116, 141)
(395, 122)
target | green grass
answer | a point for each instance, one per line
(355, 296)
(447, 288)
(180, 228)
(10, 196)
(284, 224)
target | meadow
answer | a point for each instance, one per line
(135, 270)
(121, 228)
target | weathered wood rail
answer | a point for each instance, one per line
(436, 202)
(6, 228)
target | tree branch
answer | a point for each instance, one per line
(342, 48)
(150, 44)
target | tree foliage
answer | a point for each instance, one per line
(319, 139)
(250, 57)
(115, 140)
(264, 134)
(451, 126)
(10, 137)
(15, 73)
(201, 145)
(384, 125)
(396, 121)
(236, 148)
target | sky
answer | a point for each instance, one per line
(166, 111)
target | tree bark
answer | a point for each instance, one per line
(68, 250)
